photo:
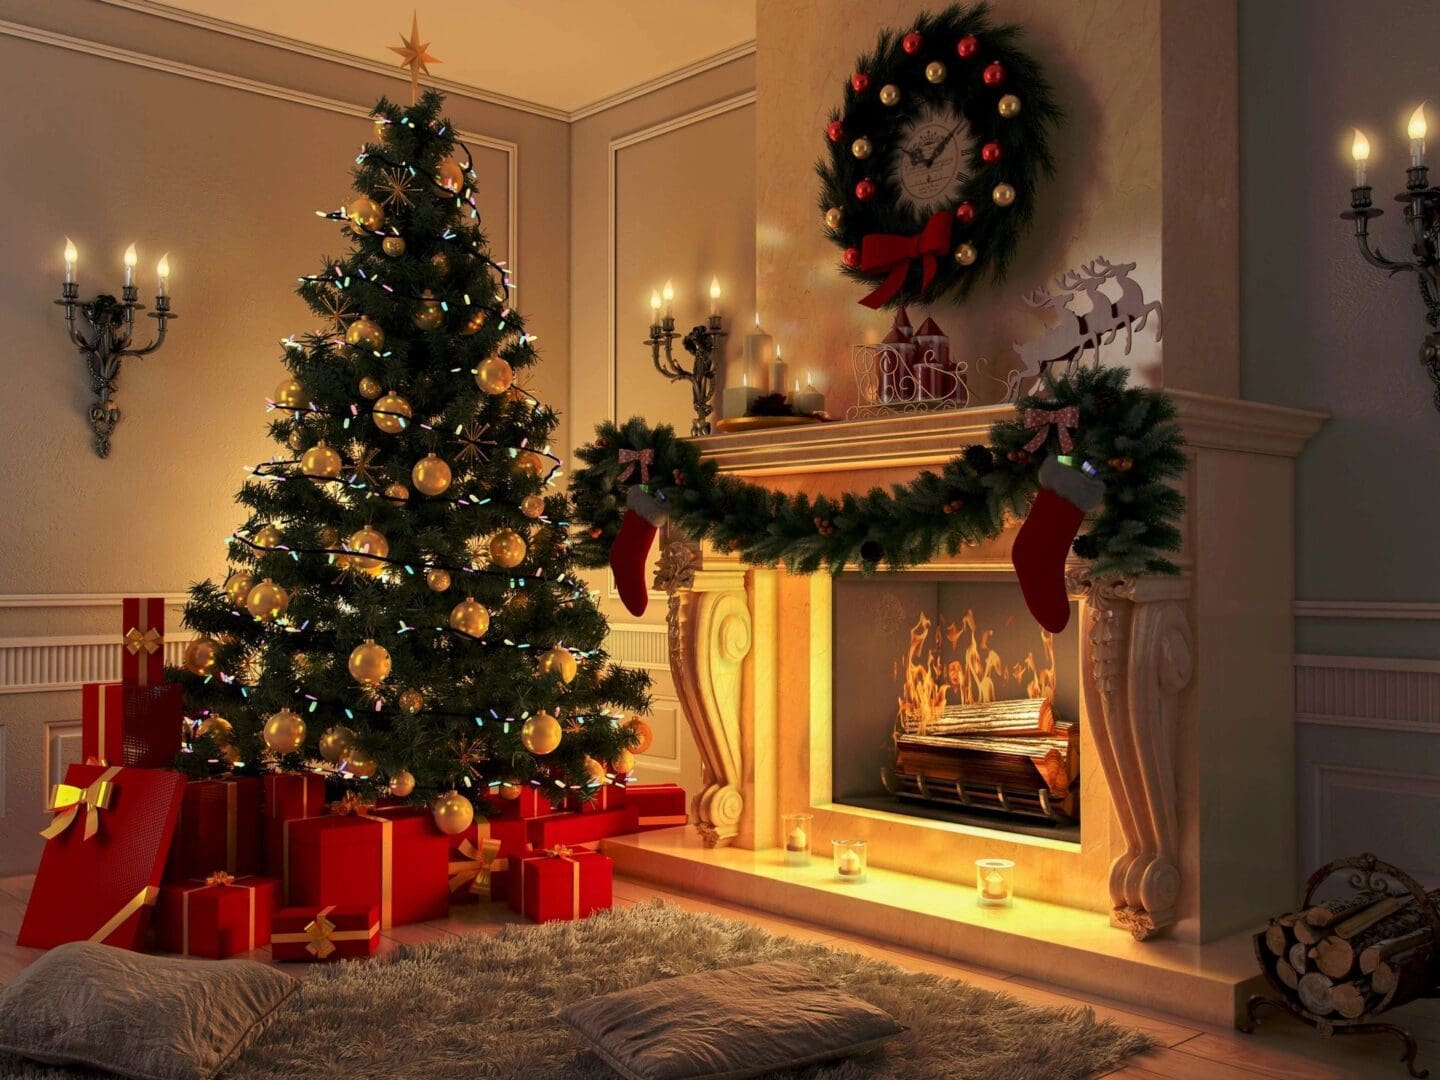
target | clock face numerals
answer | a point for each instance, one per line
(929, 165)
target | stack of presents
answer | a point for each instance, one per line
(137, 855)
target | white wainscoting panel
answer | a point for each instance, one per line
(62, 749)
(1365, 691)
(642, 645)
(33, 665)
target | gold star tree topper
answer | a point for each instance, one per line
(415, 56)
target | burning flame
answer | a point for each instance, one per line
(978, 675)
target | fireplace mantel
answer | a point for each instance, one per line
(1187, 681)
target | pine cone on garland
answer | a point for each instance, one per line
(980, 458)
(1085, 547)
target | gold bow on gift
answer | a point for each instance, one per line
(351, 804)
(476, 867)
(149, 640)
(67, 799)
(220, 877)
(321, 932)
(559, 851)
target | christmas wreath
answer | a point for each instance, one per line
(935, 156)
(1089, 443)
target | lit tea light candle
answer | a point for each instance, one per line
(796, 830)
(849, 860)
(994, 885)
(849, 864)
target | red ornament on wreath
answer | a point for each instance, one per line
(967, 46)
(912, 42)
(859, 82)
(865, 190)
(835, 131)
(994, 74)
(965, 213)
(851, 257)
(990, 153)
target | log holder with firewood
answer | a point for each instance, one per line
(1339, 964)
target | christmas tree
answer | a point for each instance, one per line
(400, 609)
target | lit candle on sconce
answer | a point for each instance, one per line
(808, 401)
(654, 308)
(714, 296)
(669, 296)
(131, 258)
(1360, 154)
(1416, 130)
(72, 256)
(162, 271)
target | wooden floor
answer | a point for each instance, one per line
(1281, 1047)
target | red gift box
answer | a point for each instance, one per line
(478, 873)
(530, 803)
(219, 829)
(564, 884)
(657, 806)
(606, 797)
(420, 890)
(324, 933)
(135, 726)
(142, 657)
(104, 853)
(571, 828)
(218, 917)
(286, 796)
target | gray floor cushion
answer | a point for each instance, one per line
(721, 1025)
(150, 1017)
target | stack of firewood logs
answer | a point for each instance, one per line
(1354, 957)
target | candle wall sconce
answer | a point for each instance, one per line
(111, 328)
(702, 342)
(1421, 204)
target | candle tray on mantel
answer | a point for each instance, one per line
(909, 371)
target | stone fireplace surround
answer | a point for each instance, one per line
(1187, 722)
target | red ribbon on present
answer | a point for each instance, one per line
(631, 458)
(1043, 419)
(888, 252)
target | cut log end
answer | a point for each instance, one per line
(1286, 974)
(1316, 993)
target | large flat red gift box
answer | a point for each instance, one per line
(564, 884)
(420, 865)
(575, 828)
(284, 797)
(324, 933)
(227, 918)
(219, 829)
(142, 655)
(657, 806)
(135, 726)
(104, 854)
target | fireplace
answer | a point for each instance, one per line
(950, 703)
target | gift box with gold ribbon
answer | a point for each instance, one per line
(134, 726)
(574, 828)
(657, 806)
(564, 883)
(606, 796)
(221, 916)
(142, 656)
(529, 802)
(324, 933)
(478, 873)
(219, 829)
(105, 849)
(284, 797)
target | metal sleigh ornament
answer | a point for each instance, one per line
(910, 371)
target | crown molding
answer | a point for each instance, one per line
(448, 86)
(1386, 610)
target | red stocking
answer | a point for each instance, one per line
(1044, 540)
(643, 515)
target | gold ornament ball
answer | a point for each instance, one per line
(531, 464)
(833, 217)
(412, 701)
(559, 661)
(284, 732)
(624, 763)
(397, 492)
(370, 388)
(335, 744)
(369, 663)
(392, 414)
(365, 213)
(1009, 106)
(394, 246)
(889, 94)
(470, 617)
(533, 506)
(290, 394)
(1003, 194)
(453, 813)
(402, 783)
(541, 733)
(320, 462)
(428, 315)
(296, 439)
(507, 790)
(238, 586)
(474, 322)
(507, 549)
(382, 128)
(431, 475)
(861, 148)
(640, 727)
(595, 772)
(441, 262)
(328, 537)
(366, 333)
(966, 254)
(200, 656)
(494, 375)
(218, 728)
(267, 536)
(358, 764)
(450, 176)
(438, 580)
(935, 72)
(369, 548)
(267, 601)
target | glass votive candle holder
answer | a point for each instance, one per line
(795, 832)
(994, 882)
(850, 860)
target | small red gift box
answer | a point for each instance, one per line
(606, 797)
(530, 803)
(324, 933)
(218, 917)
(219, 829)
(571, 828)
(135, 726)
(104, 853)
(142, 658)
(657, 806)
(564, 884)
(286, 796)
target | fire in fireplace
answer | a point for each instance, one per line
(950, 702)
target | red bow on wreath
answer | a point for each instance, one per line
(630, 458)
(1041, 420)
(881, 252)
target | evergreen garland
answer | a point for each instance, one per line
(1128, 435)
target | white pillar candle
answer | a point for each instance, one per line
(778, 372)
(759, 352)
(809, 400)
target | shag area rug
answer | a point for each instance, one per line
(483, 1006)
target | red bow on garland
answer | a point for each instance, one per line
(630, 458)
(881, 252)
(1041, 420)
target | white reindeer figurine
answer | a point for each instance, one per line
(1065, 342)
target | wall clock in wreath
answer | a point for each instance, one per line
(935, 156)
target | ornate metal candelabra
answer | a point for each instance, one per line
(702, 342)
(1422, 215)
(112, 325)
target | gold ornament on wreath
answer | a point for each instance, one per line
(470, 617)
(494, 375)
(595, 772)
(507, 549)
(368, 549)
(431, 475)
(453, 813)
(238, 586)
(201, 656)
(392, 414)
(336, 743)
(559, 661)
(218, 728)
(267, 601)
(533, 465)
(284, 732)
(541, 733)
(365, 333)
(359, 764)
(508, 790)
(369, 663)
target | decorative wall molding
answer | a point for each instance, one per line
(642, 645)
(42, 665)
(689, 71)
(1327, 784)
(1368, 692)
(1385, 610)
(80, 600)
